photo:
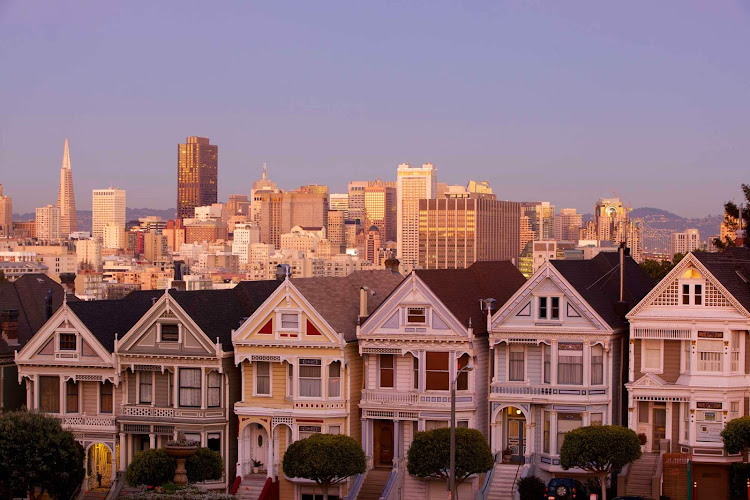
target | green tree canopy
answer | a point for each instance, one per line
(732, 216)
(36, 453)
(600, 450)
(736, 435)
(429, 454)
(205, 465)
(151, 467)
(324, 458)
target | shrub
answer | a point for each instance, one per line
(150, 467)
(531, 488)
(738, 475)
(204, 465)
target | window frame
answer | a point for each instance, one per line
(180, 387)
(646, 369)
(300, 378)
(549, 307)
(68, 394)
(600, 364)
(209, 387)
(463, 380)
(52, 408)
(280, 313)
(560, 364)
(331, 378)
(60, 347)
(694, 299)
(392, 369)
(410, 315)
(161, 333)
(523, 361)
(446, 371)
(706, 341)
(256, 376)
(140, 383)
(111, 396)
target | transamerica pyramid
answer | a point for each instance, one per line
(66, 199)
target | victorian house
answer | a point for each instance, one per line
(301, 372)
(558, 350)
(690, 362)
(412, 348)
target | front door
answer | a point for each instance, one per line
(259, 442)
(659, 429)
(516, 439)
(384, 443)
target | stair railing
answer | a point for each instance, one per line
(488, 477)
(359, 479)
(390, 484)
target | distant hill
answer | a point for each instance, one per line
(659, 224)
(84, 216)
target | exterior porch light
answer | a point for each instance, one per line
(452, 478)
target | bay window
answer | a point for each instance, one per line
(190, 387)
(566, 422)
(334, 379)
(709, 355)
(71, 397)
(462, 382)
(310, 378)
(213, 392)
(437, 371)
(49, 394)
(570, 363)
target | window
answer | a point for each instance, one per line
(67, 341)
(213, 441)
(190, 387)
(651, 355)
(144, 387)
(106, 391)
(734, 409)
(686, 422)
(462, 383)
(546, 433)
(416, 315)
(436, 371)
(516, 363)
(643, 412)
(170, 332)
(566, 422)
(213, 392)
(698, 295)
(416, 373)
(597, 365)
(542, 307)
(431, 425)
(386, 370)
(309, 378)
(334, 380)
(547, 353)
(71, 397)
(735, 353)
(289, 321)
(49, 394)
(290, 380)
(709, 355)
(686, 354)
(596, 419)
(555, 311)
(569, 363)
(263, 378)
(334, 429)
(686, 294)
(305, 431)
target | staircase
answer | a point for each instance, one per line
(503, 482)
(251, 486)
(374, 484)
(639, 476)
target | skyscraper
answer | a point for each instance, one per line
(6, 214)
(48, 223)
(380, 211)
(568, 225)
(262, 185)
(66, 199)
(197, 175)
(108, 207)
(611, 219)
(413, 184)
(280, 212)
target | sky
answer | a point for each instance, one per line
(555, 101)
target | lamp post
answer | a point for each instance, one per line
(452, 477)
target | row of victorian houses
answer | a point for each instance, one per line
(372, 355)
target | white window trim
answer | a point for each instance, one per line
(279, 328)
(548, 318)
(643, 368)
(221, 387)
(377, 375)
(78, 389)
(340, 377)
(427, 315)
(725, 357)
(290, 383)
(179, 333)
(525, 365)
(591, 366)
(255, 381)
(692, 282)
(58, 339)
(323, 381)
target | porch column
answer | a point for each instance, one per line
(129, 441)
(29, 392)
(269, 464)
(530, 435)
(175, 388)
(204, 378)
(152, 440)
(62, 395)
(113, 462)
(396, 450)
(240, 454)
(123, 452)
(691, 423)
(35, 393)
(494, 437)
(553, 432)
(553, 363)
(86, 465)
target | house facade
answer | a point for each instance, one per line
(690, 362)
(301, 371)
(412, 347)
(557, 349)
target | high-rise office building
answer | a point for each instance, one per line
(108, 207)
(48, 223)
(336, 227)
(541, 216)
(356, 200)
(261, 186)
(197, 175)
(380, 211)
(372, 243)
(611, 219)
(280, 212)
(456, 232)
(685, 242)
(66, 199)
(238, 204)
(413, 184)
(6, 215)
(568, 225)
(114, 236)
(89, 254)
(338, 201)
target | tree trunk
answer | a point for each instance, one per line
(325, 490)
(603, 480)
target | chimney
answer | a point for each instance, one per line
(363, 302)
(9, 327)
(621, 307)
(392, 265)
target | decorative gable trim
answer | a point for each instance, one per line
(526, 311)
(571, 312)
(310, 329)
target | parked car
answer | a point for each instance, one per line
(565, 488)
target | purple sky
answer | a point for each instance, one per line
(558, 101)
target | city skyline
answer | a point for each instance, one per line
(596, 97)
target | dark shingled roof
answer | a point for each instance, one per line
(26, 295)
(337, 298)
(216, 312)
(598, 281)
(732, 268)
(462, 289)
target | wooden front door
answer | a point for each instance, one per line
(516, 439)
(383, 443)
(659, 429)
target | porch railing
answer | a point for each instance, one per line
(413, 397)
(87, 421)
(538, 390)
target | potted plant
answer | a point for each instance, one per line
(507, 454)
(643, 439)
(257, 464)
(181, 449)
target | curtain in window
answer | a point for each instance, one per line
(547, 363)
(386, 370)
(190, 387)
(263, 377)
(570, 363)
(709, 355)
(566, 422)
(49, 394)
(652, 354)
(334, 379)
(516, 373)
(306, 431)
(436, 371)
(310, 378)
(214, 389)
(289, 321)
(71, 397)
(597, 365)
(106, 391)
(144, 387)
(430, 425)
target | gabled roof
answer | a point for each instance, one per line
(27, 296)
(598, 281)
(732, 269)
(462, 289)
(336, 299)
